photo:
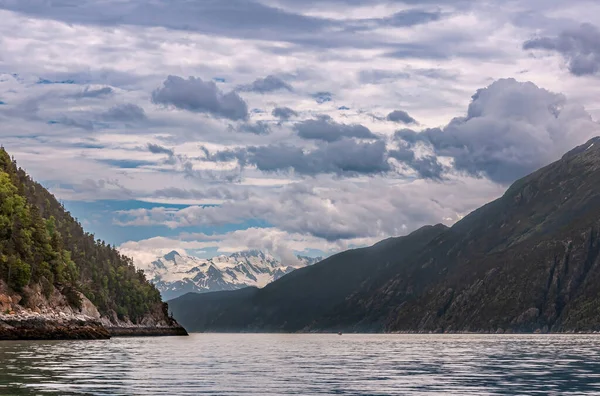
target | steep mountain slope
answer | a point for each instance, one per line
(529, 261)
(294, 301)
(50, 267)
(175, 275)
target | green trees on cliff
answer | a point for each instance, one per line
(41, 243)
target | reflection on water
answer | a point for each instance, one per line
(226, 364)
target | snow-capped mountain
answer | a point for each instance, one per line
(175, 274)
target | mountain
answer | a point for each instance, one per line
(526, 262)
(57, 281)
(175, 274)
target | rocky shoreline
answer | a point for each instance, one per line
(147, 331)
(42, 327)
(56, 320)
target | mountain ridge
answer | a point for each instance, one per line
(175, 274)
(526, 262)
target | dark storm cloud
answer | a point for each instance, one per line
(200, 96)
(326, 129)
(580, 47)
(268, 84)
(401, 116)
(511, 129)
(283, 113)
(128, 112)
(344, 157)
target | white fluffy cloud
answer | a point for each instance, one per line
(334, 210)
(283, 244)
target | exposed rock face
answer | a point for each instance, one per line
(52, 318)
(26, 327)
(527, 262)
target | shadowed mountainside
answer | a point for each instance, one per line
(528, 261)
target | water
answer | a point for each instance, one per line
(227, 364)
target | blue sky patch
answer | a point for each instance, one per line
(126, 164)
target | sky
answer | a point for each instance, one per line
(289, 126)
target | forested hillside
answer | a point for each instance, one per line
(42, 244)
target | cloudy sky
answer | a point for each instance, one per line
(292, 126)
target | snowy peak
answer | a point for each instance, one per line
(175, 274)
(172, 256)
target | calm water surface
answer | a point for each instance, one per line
(223, 364)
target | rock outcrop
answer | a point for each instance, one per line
(52, 318)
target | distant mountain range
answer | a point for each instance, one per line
(175, 274)
(526, 262)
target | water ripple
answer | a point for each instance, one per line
(269, 364)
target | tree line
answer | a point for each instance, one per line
(41, 243)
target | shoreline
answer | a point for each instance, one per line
(63, 327)
(147, 331)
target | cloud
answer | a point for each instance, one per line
(256, 128)
(199, 96)
(209, 192)
(411, 18)
(128, 112)
(376, 76)
(322, 97)
(401, 116)
(580, 47)
(343, 157)
(95, 93)
(427, 167)
(158, 149)
(185, 165)
(326, 129)
(284, 113)
(268, 84)
(333, 210)
(511, 129)
(280, 243)
(237, 18)
(71, 122)
(90, 190)
(242, 19)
